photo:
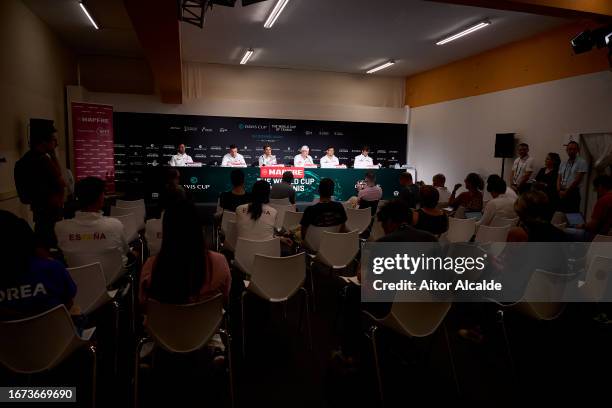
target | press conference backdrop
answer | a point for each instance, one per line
(148, 140)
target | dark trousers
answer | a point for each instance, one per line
(571, 202)
(44, 225)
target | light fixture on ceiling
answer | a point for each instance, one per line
(247, 56)
(276, 11)
(465, 32)
(86, 12)
(380, 67)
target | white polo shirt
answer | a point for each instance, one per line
(229, 161)
(362, 162)
(91, 232)
(267, 160)
(180, 160)
(502, 206)
(262, 228)
(329, 162)
(520, 167)
(300, 161)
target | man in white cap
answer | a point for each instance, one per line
(303, 158)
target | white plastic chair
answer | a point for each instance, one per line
(503, 222)
(541, 299)
(491, 234)
(247, 248)
(231, 236)
(134, 204)
(291, 220)
(226, 218)
(597, 279)
(153, 235)
(280, 213)
(358, 219)
(460, 229)
(183, 329)
(313, 236)
(338, 249)
(135, 212)
(377, 231)
(92, 290)
(110, 260)
(279, 201)
(276, 280)
(130, 225)
(40, 343)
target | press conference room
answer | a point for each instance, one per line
(306, 203)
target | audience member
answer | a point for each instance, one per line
(370, 194)
(284, 189)
(571, 174)
(535, 213)
(29, 284)
(409, 192)
(325, 213)
(439, 182)
(601, 217)
(471, 199)
(501, 205)
(429, 218)
(522, 168)
(396, 219)
(173, 190)
(90, 231)
(39, 181)
(229, 200)
(184, 271)
(546, 179)
(256, 220)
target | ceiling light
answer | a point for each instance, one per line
(276, 11)
(88, 15)
(467, 31)
(247, 56)
(383, 66)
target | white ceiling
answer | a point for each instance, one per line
(327, 35)
(353, 35)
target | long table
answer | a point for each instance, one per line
(206, 183)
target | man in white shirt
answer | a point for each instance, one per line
(363, 161)
(329, 161)
(267, 158)
(233, 158)
(501, 205)
(571, 174)
(522, 167)
(439, 181)
(181, 159)
(90, 231)
(303, 158)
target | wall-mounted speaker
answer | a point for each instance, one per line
(504, 145)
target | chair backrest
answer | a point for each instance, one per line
(597, 281)
(153, 235)
(279, 201)
(184, 328)
(503, 222)
(91, 286)
(280, 213)
(544, 290)
(313, 235)
(600, 246)
(137, 212)
(377, 231)
(444, 196)
(37, 343)
(277, 279)
(110, 260)
(130, 203)
(226, 218)
(460, 229)
(338, 249)
(231, 236)
(602, 238)
(416, 319)
(291, 219)
(358, 219)
(247, 248)
(491, 234)
(130, 225)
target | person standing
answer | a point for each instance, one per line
(181, 159)
(233, 158)
(546, 179)
(267, 158)
(303, 158)
(571, 174)
(39, 181)
(329, 161)
(522, 169)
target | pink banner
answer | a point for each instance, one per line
(92, 132)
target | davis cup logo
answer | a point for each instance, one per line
(193, 180)
(194, 185)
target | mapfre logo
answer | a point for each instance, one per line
(277, 172)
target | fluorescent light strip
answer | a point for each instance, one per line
(276, 11)
(383, 66)
(89, 16)
(464, 32)
(247, 56)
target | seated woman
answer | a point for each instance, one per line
(256, 220)
(29, 284)
(429, 218)
(470, 199)
(184, 271)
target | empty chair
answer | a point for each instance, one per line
(543, 297)
(92, 290)
(110, 260)
(280, 213)
(312, 240)
(276, 280)
(279, 201)
(247, 248)
(182, 329)
(358, 219)
(291, 220)
(130, 224)
(153, 235)
(491, 234)
(40, 343)
(460, 229)
(503, 222)
(338, 249)
(135, 212)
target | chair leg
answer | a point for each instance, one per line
(372, 336)
(115, 306)
(502, 321)
(228, 352)
(141, 343)
(94, 376)
(452, 360)
(243, 324)
(312, 287)
(307, 312)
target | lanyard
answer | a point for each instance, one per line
(519, 170)
(566, 174)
